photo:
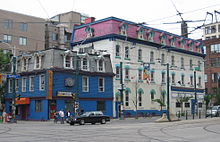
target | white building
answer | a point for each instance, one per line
(145, 53)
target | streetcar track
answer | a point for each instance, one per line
(8, 129)
(208, 130)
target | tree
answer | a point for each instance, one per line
(4, 68)
(216, 96)
(207, 99)
(161, 103)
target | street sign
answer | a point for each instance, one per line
(13, 76)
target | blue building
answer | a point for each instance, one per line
(56, 79)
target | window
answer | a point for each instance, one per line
(178, 104)
(127, 52)
(215, 48)
(85, 84)
(101, 106)
(89, 32)
(140, 33)
(123, 29)
(213, 29)
(152, 94)
(117, 51)
(151, 57)
(199, 65)
(68, 61)
(54, 36)
(163, 78)
(31, 83)
(8, 24)
(84, 64)
(152, 76)
(117, 70)
(214, 77)
(182, 63)
(7, 38)
(24, 64)
(68, 105)
(187, 105)
(101, 65)
(173, 78)
(200, 105)
(172, 61)
(200, 82)
(126, 98)
(101, 85)
(23, 27)
(182, 79)
(127, 73)
(38, 106)
(191, 64)
(42, 82)
(10, 86)
(139, 55)
(191, 80)
(162, 59)
(139, 98)
(140, 75)
(16, 85)
(24, 84)
(22, 41)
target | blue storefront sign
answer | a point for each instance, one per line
(13, 76)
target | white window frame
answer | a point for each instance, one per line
(101, 84)
(10, 85)
(127, 52)
(24, 64)
(31, 83)
(22, 41)
(127, 74)
(85, 84)
(151, 57)
(17, 85)
(24, 84)
(7, 38)
(68, 61)
(85, 66)
(117, 50)
(42, 79)
(117, 72)
(101, 67)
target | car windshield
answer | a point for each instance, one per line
(214, 107)
(85, 114)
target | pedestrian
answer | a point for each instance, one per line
(68, 114)
(55, 117)
(61, 113)
(4, 115)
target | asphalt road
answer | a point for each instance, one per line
(130, 130)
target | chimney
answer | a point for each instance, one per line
(89, 20)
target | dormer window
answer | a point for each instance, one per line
(182, 43)
(24, 66)
(101, 65)
(89, 31)
(68, 61)
(163, 38)
(140, 33)
(150, 35)
(38, 60)
(172, 40)
(123, 29)
(190, 44)
(85, 64)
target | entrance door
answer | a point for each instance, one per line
(24, 112)
(53, 108)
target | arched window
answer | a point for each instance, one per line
(152, 94)
(140, 93)
(117, 51)
(139, 55)
(127, 92)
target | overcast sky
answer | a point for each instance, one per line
(153, 12)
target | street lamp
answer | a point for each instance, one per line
(13, 73)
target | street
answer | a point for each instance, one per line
(131, 130)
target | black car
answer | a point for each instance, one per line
(90, 117)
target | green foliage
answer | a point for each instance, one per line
(4, 61)
(183, 99)
(160, 102)
(216, 96)
(207, 99)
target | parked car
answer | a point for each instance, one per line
(213, 111)
(90, 117)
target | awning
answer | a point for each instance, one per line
(22, 101)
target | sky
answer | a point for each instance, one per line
(153, 12)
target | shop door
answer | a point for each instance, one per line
(24, 112)
(52, 109)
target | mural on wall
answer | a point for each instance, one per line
(146, 74)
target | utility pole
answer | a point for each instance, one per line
(121, 90)
(168, 92)
(195, 104)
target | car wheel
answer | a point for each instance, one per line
(82, 122)
(71, 123)
(103, 121)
